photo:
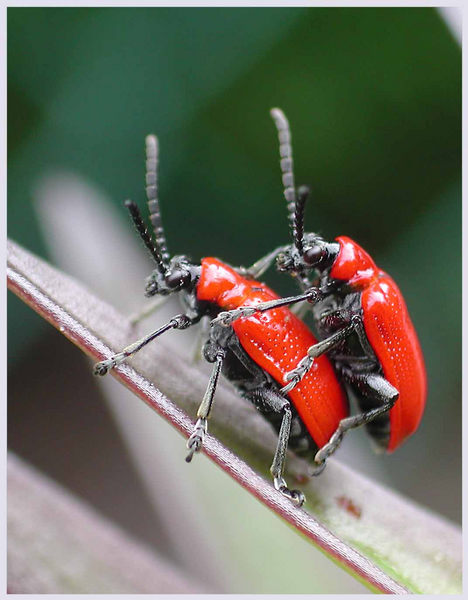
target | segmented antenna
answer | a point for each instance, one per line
(145, 236)
(152, 154)
(302, 195)
(286, 162)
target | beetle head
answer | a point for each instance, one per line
(313, 254)
(181, 274)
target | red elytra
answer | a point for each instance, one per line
(277, 340)
(390, 333)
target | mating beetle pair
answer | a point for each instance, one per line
(367, 342)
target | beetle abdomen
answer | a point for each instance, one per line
(393, 338)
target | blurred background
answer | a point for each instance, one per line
(374, 101)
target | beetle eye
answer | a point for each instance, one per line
(177, 278)
(313, 255)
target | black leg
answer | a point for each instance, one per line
(151, 307)
(268, 399)
(263, 264)
(356, 325)
(361, 333)
(177, 322)
(257, 388)
(295, 376)
(226, 318)
(195, 441)
(372, 385)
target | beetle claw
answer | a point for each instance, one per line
(103, 367)
(195, 441)
(295, 496)
(320, 467)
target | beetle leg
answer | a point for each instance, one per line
(147, 310)
(268, 399)
(263, 264)
(226, 318)
(177, 322)
(279, 459)
(376, 385)
(201, 337)
(304, 366)
(195, 441)
(362, 336)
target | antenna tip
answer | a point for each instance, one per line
(278, 115)
(151, 142)
(304, 190)
(128, 203)
(151, 139)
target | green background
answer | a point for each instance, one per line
(374, 101)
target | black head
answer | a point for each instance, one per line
(180, 275)
(316, 255)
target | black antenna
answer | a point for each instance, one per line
(286, 162)
(302, 195)
(145, 236)
(152, 154)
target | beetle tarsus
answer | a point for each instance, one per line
(295, 496)
(195, 441)
(297, 374)
(103, 367)
(320, 467)
(329, 448)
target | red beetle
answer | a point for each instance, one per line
(255, 353)
(390, 333)
(361, 320)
